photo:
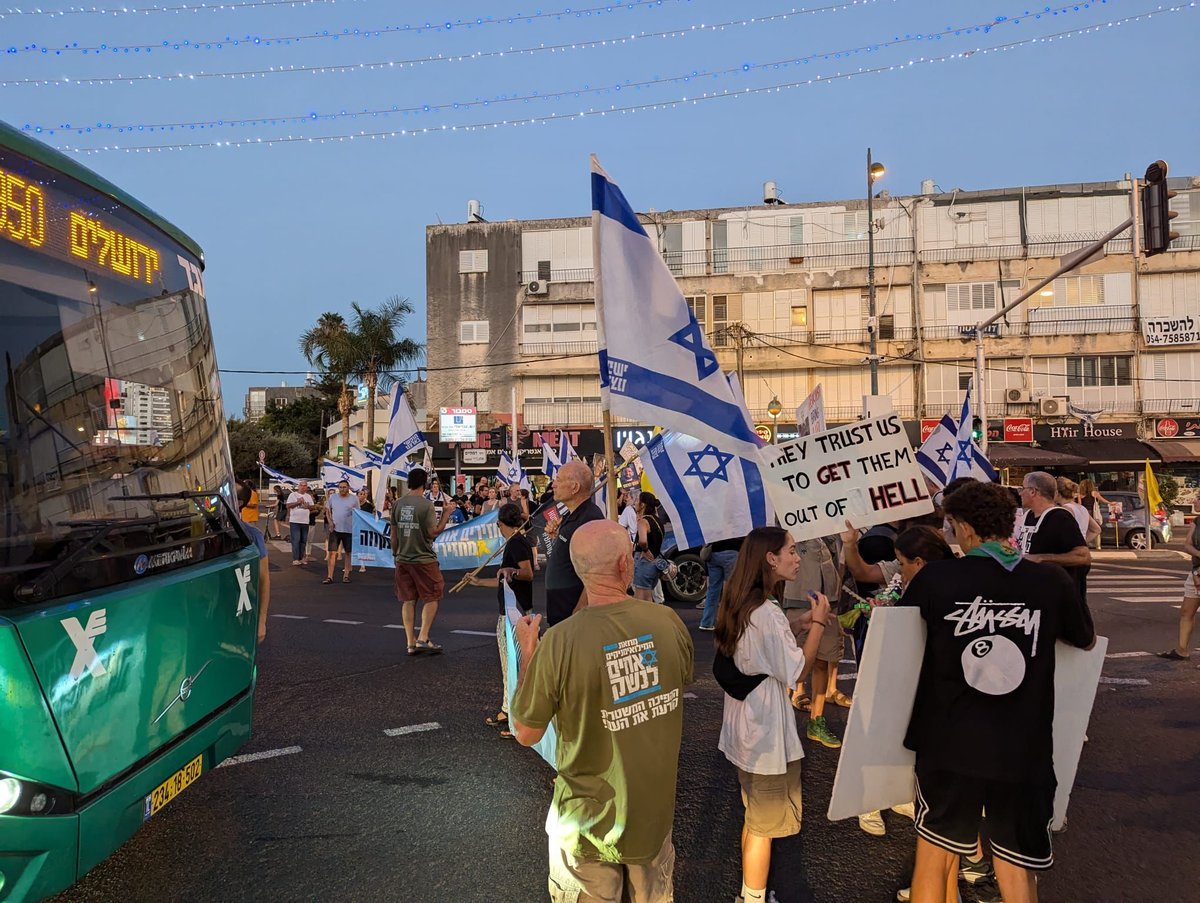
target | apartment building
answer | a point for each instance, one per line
(1081, 376)
(258, 398)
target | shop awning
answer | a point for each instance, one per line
(1121, 452)
(1177, 451)
(1007, 455)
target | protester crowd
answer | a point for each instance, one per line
(997, 577)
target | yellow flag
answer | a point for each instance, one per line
(1153, 496)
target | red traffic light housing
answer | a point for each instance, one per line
(1156, 212)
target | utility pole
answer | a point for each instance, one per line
(739, 333)
(874, 171)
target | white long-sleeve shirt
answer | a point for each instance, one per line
(758, 734)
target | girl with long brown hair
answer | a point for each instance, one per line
(758, 730)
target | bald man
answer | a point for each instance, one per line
(564, 589)
(612, 678)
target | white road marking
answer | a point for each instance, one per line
(847, 677)
(292, 617)
(412, 729)
(1126, 681)
(690, 696)
(394, 626)
(1127, 654)
(254, 757)
(1128, 598)
(336, 621)
(476, 632)
(1119, 578)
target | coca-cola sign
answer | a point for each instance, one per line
(1018, 429)
(1177, 428)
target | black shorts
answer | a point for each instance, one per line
(336, 539)
(950, 808)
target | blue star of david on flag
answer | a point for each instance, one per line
(966, 453)
(943, 453)
(691, 338)
(706, 477)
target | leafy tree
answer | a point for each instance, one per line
(330, 347)
(1168, 488)
(285, 451)
(304, 417)
(379, 349)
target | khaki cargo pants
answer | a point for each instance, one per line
(585, 881)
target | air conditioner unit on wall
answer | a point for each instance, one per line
(1053, 407)
(538, 287)
(1016, 396)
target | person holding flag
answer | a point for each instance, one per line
(1191, 583)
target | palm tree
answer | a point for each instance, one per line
(329, 346)
(378, 349)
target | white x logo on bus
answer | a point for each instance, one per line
(86, 657)
(243, 579)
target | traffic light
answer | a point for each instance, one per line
(976, 429)
(1156, 212)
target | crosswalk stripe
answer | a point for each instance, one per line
(1123, 579)
(1127, 654)
(412, 729)
(266, 754)
(475, 632)
(292, 617)
(1126, 681)
(1128, 598)
(337, 621)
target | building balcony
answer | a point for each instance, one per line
(1180, 406)
(553, 349)
(561, 414)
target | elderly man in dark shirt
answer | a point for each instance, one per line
(564, 589)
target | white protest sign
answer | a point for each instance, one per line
(810, 416)
(863, 472)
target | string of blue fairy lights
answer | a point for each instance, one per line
(675, 103)
(542, 96)
(40, 13)
(429, 26)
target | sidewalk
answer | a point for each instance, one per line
(1132, 555)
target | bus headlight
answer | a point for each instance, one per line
(10, 793)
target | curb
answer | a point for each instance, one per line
(1151, 555)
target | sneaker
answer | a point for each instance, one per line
(707, 629)
(908, 810)
(819, 731)
(975, 871)
(872, 823)
(1061, 828)
(904, 894)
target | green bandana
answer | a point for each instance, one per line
(1002, 551)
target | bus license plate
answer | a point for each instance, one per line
(173, 786)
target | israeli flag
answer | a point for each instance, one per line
(333, 473)
(403, 438)
(509, 472)
(277, 477)
(566, 451)
(938, 455)
(550, 461)
(709, 493)
(967, 453)
(364, 459)
(655, 364)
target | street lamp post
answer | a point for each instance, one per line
(874, 173)
(774, 408)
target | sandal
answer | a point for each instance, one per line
(345, 578)
(497, 720)
(1173, 656)
(429, 646)
(802, 701)
(412, 650)
(327, 580)
(837, 697)
(507, 734)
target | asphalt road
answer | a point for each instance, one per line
(451, 812)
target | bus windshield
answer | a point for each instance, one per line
(113, 461)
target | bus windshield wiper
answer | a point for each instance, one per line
(35, 590)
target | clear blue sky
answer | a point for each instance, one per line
(292, 230)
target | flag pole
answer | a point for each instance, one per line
(610, 457)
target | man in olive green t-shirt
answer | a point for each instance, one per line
(611, 677)
(415, 525)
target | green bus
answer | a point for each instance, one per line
(128, 586)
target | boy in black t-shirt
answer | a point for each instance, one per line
(516, 567)
(982, 721)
